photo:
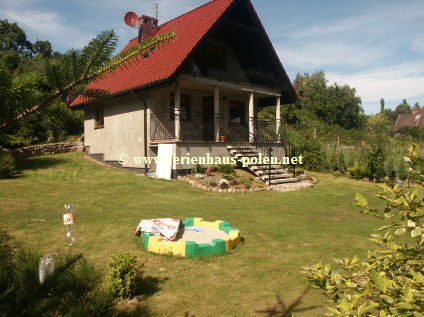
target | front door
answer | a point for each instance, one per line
(208, 119)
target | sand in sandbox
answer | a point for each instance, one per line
(206, 235)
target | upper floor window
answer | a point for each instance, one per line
(99, 117)
(184, 107)
(215, 57)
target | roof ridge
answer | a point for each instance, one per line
(203, 5)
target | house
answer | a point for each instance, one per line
(199, 93)
(415, 119)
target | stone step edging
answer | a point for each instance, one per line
(278, 187)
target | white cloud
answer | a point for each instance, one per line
(44, 24)
(418, 45)
(320, 55)
(394, 83)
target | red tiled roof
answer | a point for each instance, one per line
(410, 120)
(189, 28)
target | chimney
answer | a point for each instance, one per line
(415, 110)
(147, 27)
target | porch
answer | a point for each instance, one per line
(205, 110)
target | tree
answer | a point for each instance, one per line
(334, 104)
(390, 282)
(69, 73)
(382, 103)
(403, 108)
(43, 47)
(379, 123)
(389, 113)
(417, 106)
(13, 38)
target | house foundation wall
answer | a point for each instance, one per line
(213, 150)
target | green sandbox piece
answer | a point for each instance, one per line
(194, 250)
(226, 227)
(144, 240)
(188, 222)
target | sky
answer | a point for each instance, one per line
(374, 46)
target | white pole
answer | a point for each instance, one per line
(216, 113)
(278, 116)
(177, 109)
(251, 117)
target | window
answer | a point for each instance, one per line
(184, 110)
(215, 57)
(99, 118)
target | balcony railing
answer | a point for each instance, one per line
(197, 128)
(242, 71)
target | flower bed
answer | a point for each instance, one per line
(227, 180)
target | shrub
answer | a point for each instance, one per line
(226, 169)
(73, 289)
(375, 162)
(245, 181)
(125, 275)
(198, 169)
(211, 181)
(358, 171)
(390, 282)
(313, 156)
(228, 177)
(7, 165)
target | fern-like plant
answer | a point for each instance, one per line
(69, 74)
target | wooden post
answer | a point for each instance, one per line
(177, 110)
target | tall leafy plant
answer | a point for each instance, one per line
(70, 73)
(390, 282)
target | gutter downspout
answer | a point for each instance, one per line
(147, 168)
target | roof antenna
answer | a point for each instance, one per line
(157, 10)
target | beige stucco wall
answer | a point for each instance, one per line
(123, 130)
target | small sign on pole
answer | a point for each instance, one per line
(69, 221)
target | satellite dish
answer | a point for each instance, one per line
(131, 19)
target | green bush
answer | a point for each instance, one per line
(228, 177)
(125, 275)
(375, 162)
(358, 171)
(211, 181)
(313, 156)
(226, 169)
(7, 165)
(198, 169)
(73, 289)
(390, 282)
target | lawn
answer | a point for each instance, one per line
(281, 233)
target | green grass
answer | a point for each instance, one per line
(281, 231)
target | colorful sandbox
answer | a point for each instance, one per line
(196, 238)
